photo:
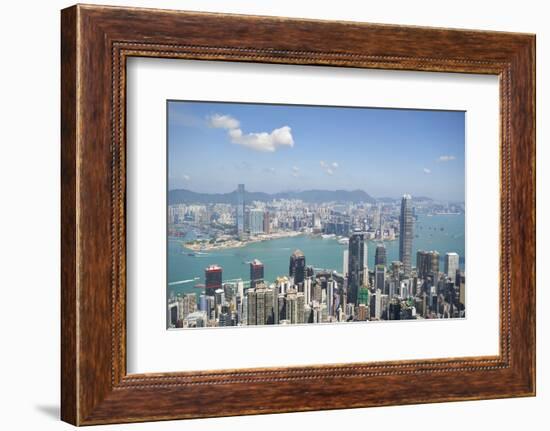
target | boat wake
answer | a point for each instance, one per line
(173, 283)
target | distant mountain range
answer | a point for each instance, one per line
(180, 196)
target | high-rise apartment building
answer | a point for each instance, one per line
(261, 305)
(188, 304)
(267, 222)
(291, 306)
(256, 221)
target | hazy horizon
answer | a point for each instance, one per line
(413, 195)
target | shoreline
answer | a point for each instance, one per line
(203, 246)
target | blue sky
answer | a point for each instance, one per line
(386, 152)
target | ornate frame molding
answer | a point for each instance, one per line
(96, 41)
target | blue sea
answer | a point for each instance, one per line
(444, 233)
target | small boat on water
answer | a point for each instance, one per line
(197, 254)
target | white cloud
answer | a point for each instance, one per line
(427, 171)
(186, 177)
(223, 122)
(295, 171)
(329, 168)
(446, 158)
(266, 142)
(263, 141)
(270, 170)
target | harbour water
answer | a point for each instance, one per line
(444, 233)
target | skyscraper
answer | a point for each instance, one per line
(363, 296)
(365, 280)
(435, 263)
(307, 290)
(356, 265)
(291, 306)
(219, 297)
(345, 268)
(212, 279)
(376, 218)
(188, 305)
(240, 209)
(461, 288)
(396, 269)
(380, 278)
(378, 304)
(427, 263)
(300, 307)
(451, 265)
(256, 221)
(331, 288)
(267, 222)
(251, 306)
(380, 255)
(406, 233)
(297, 266)
(256, 272)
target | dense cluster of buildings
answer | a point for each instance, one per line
(224, 221)
(396, 290)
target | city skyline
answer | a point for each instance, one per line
(273, 212)
(310, 295)
(277, 148)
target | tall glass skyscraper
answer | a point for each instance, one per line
(356, 266)
(451, 264)
(380, 278)
(297, 266)
(240, 209)
(256, 272)
(212, 279)
(380, 255)
(406, 234)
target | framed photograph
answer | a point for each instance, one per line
(330, 214)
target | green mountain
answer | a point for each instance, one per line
(178, 196)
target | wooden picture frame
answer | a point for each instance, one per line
(95, 43)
